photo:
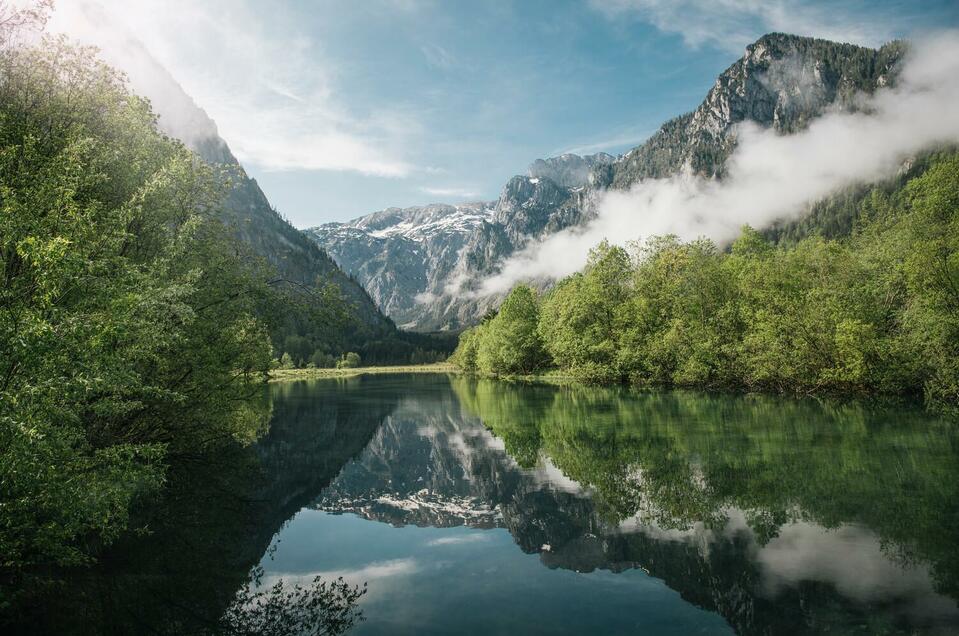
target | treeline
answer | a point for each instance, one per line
(387, 348)
(133, 328)
(877, 311)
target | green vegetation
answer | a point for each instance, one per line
(281, 374)
(678, 458)
(143, 303)
(388, 346)
(133, 328)
(877, 311)
(350, 360)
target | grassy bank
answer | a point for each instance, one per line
(286, 375)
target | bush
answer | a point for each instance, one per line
(349, 360)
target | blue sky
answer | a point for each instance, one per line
(342, 108)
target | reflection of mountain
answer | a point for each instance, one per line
(766, 570)
(781, 516)
(218, 517)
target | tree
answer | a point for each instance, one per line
(322, 360)
(877, 311)
(466, 351)
(582, 317)
(350, 360)
(510, 343)
(127, 313)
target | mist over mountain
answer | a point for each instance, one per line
(444, 266)
(430, 276)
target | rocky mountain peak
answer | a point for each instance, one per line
(781, 82)
(569, 170)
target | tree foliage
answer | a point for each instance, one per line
(129, 325)
(511, 343)
(876, 311)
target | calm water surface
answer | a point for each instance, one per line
(478, 507)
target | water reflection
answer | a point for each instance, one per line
(485, 507)
(201, 543)
(783, 516)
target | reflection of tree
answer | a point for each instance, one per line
(323, 608)
(215, 521)
(677, 458)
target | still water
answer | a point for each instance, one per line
(480, 507)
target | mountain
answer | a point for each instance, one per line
(414, 261)
(299, 324)
(404, 257)
(246, 208)
(569, 170)
(782, 82)
(429, 280)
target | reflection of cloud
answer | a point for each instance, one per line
(376, 570)
(548, 473)
(459, 539)
(382, 577)
(356, 576)
(849, 557)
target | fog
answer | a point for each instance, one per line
(770, 176)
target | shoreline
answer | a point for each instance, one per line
(292, 375)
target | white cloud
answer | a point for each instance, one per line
(460, 193)
(771, 176)
(732, 24)
(268, 86)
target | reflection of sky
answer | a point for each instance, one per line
(462, 580)
(429, 465)
(851, 558)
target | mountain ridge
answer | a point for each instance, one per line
(782, 82)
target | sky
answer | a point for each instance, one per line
(339, 109)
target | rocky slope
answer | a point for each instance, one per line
(246, 209)
(427, 279)
(404, 257)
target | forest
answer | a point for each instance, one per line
(136, 329)
(876, 311)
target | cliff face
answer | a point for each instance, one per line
(426, 280)
(782, 82)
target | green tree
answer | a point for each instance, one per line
(466, 351)
(510, 342)
(584, 315)
(127, 313)
(322, 360)
(349, 360)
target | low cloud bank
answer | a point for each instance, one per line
(770, 176)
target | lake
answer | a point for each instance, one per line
(482, 507)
